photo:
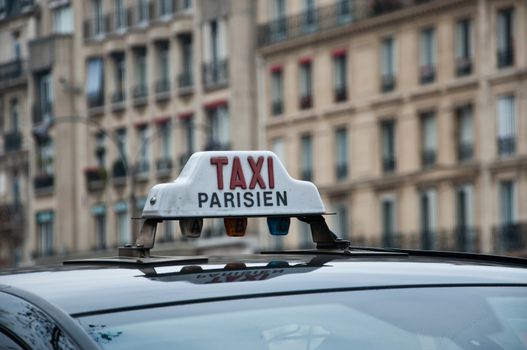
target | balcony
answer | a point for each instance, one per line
(428, 239)
(340, 94)
(387, 82)
(164, 167)
(341, 171)
(162, 89)
(12, 141)
(118, 100)
(141, 171)
(185, 81)
(95, 178)
(12, 71)
(321, 19)
(465, 152)
(506, 146)
(463, 66)
(277, 107)
(428, 158)
(140, 95)
(505, 57)
(510, 238)
(305, 102)
(11, 217)
(389, 164)
(42, 112)
(119, 173)
(95, 104)
(461, 239)
(216, 74)
(43, 184)
(427, 74)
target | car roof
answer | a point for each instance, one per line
(86, 289)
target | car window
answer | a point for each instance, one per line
(32, 325)
(406, 318)
(7, 343)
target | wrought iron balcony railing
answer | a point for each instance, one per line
(44, 183)
(164, 166)
(95, 178)
(340, 13)
(12, 141)
(510, 238)
(428, 158)
(277, 107)
(387, 82)
(465, 152)
(305, 102)
(427, 74)
(389, 164)
(162, 85)
(463, 66)
(341, 171)
(506, 145)
(185, 80)
(12, 70)
(216, 73)
(505, 57)
(340, 94)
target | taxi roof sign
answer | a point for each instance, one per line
(233, 184)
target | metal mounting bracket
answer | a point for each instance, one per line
(322, 235)
(143, 243)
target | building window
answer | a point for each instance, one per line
(344, 11)
(309, 16)
(45, 220)
(120, 15)
(163, 67)
(219, 134)
(164, 8)
(389, 230)
(342, 217)
(505, 38)
(45, 157)
(95, 82)
(166, 139)
(278, 147)
(306, 157)
(44, 107)
(141, 87)
(464, 233)
(278, 25)
(428, 139)
(428, 218)
(464, 50)
(388, 66)
(508, 210)
(305, 83)
(215, 68)
(143, 164)
(185, 78)
(119, 63)
(186, 5)
(98, 17)
(123, 223)
(465, 134)
(100, 149)
(428, 56)
(189, 135)
(143, 12)
(99, 218)
(340, 73)
(63, 19)
(506, 126)
(277, 91)
(388, 146)
(341, 154)
(15, 115)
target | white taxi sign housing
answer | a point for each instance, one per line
(233, 184)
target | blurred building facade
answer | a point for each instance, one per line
(410, 116)
(117, 95)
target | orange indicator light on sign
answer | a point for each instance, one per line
(235, 227)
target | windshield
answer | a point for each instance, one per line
(406, 318)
